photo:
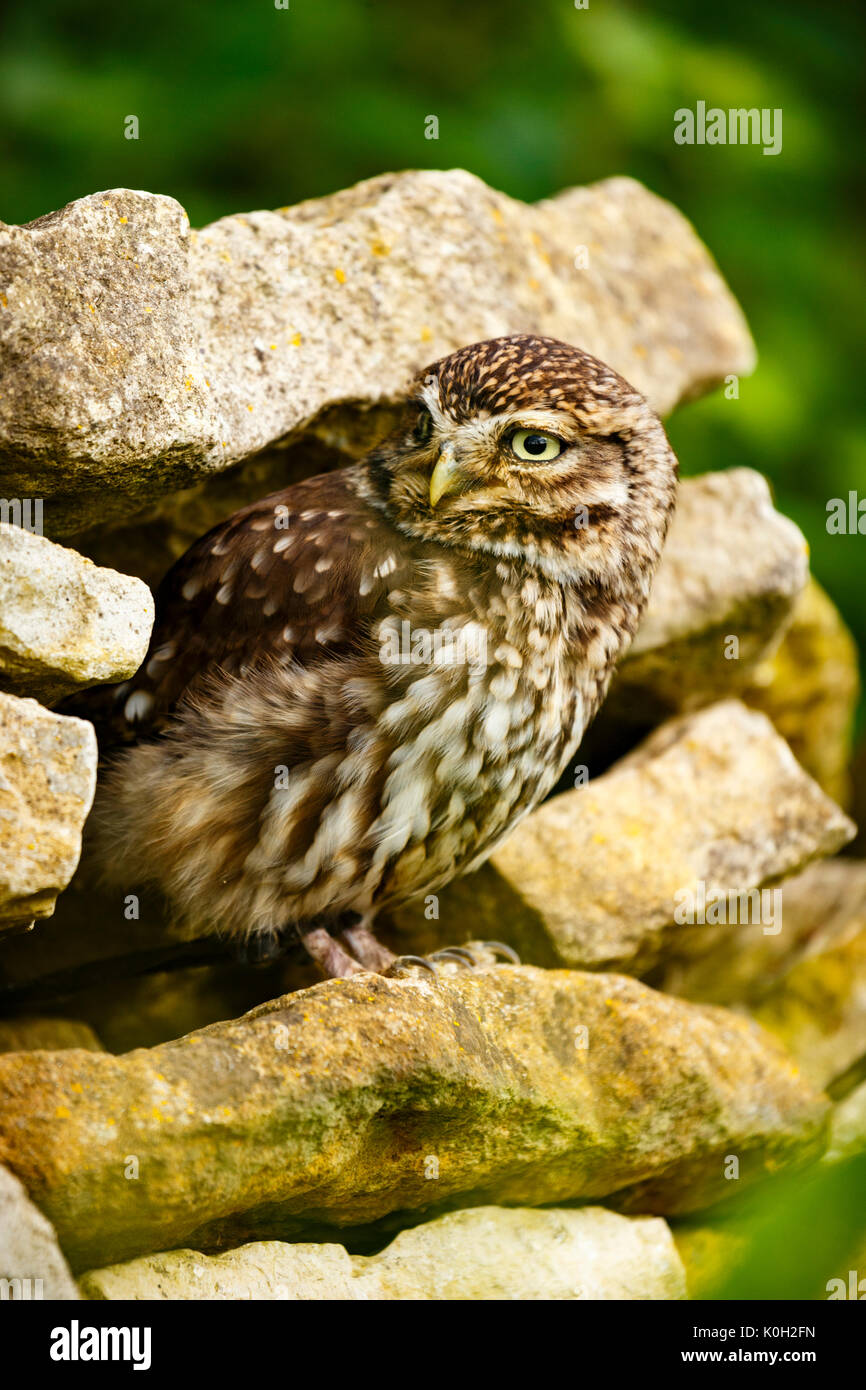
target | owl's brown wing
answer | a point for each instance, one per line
(293, 577)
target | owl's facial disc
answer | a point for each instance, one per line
(526, 447)
(506, 446)
(494, 463)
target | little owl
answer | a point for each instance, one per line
(358, 686)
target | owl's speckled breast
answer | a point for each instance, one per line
(503, 731)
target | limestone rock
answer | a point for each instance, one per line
(810, 687)
(593, 878)
(818, 1009)
(482, 1253)
(65, 623)
(858, 798)
(822, 907)
(138, 354)
(46, 1035)
(337, 1105)
(47, 781)
(30, 1258)
(717, 580)
(708, 1253)
(848, 1127)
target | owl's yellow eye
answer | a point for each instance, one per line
(535, 447)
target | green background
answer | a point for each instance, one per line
(242, 105)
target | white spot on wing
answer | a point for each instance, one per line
(138, 706)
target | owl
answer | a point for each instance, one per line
(358, 686)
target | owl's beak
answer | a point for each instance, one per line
(447, 477)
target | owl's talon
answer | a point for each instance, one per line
(458, 954)
(500, 948)
(397, 966)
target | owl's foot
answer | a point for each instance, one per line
(329, 956)
(357, 949)
(365, 948)
(479, 955)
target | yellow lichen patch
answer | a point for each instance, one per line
(340, 276)
(62, 1112)
(124, 219)
(295, 340)
(380, 248)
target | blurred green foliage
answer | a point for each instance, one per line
(244, 105)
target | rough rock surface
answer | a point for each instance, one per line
(818, 1009)
(708, 1253)
(358, 1098)
(137, 353)
(46, 1034)
(732, 567)
(28, 1248)
(810, 687)
(848, 1127)
(591, 879)
(482, 1253)
(64, 622)
(47, 781)
(822, 907)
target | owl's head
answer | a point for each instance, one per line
(526, 448)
